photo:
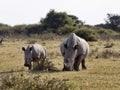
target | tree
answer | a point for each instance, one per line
(56, 19)
(113, 21)
(76, 20)
(3, 25)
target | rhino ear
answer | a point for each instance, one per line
(23, 48)
(65, 45)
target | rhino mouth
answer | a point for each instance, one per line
(67, 68)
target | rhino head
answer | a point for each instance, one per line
(69, 57)
(27, 57)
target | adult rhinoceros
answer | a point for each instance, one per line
(74, 50)
(33, 53)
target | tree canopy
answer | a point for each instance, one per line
(56, 19)
(112, 22)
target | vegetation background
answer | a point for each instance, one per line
(103, 62)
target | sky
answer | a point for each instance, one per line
(92, 12)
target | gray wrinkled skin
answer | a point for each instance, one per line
(35, 53)
(74, 50)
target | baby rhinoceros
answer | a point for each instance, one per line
(33, 53)
(74, 50)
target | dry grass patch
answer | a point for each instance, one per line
(101, 74)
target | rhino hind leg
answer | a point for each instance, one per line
(83, 64)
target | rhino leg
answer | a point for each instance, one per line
(77, 64)
(64, 69)
(83, 64)
(29, 67)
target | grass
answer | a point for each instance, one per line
(101, 74)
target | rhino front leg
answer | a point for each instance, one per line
(77, 64)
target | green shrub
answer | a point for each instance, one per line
(33, 29)
(6, 31)
(34, 82)
(47, 66)
(88, 35)
(106, 32)
(67, 29)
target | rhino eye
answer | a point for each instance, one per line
(66, 60)
(65, 45)
(30, 48)
(76, 46)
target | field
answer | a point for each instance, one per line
(103, 67)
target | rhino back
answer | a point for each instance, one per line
(83, 46)
(38, 51)
(72, 40)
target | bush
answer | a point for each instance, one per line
(88, 35)
(35, 82)
(106, 32)
(67, 29)
(6, 31)
(109, 45)
(108, 54)
(34, 29)
(47, 66)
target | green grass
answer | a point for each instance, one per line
(101, 74)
